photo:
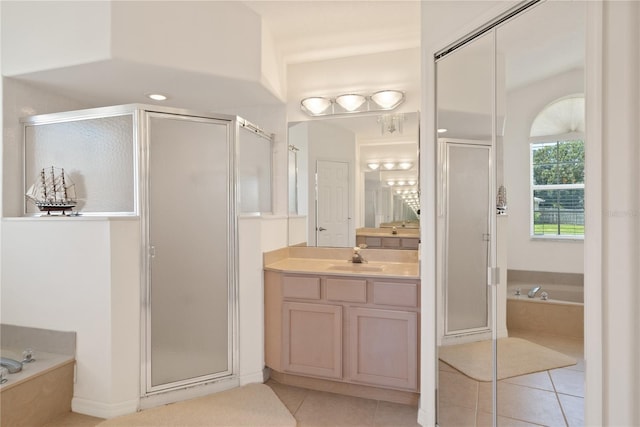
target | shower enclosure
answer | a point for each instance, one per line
(184, 176)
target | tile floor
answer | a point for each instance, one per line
(551, 398)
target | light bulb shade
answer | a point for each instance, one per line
(388, 165)
(388, 99)
(350, 102)
(315, 105)
(405, 165)
(373, 166)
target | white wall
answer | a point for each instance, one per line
(46, 35)
(80, 274)
(523, 105)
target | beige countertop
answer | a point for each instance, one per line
(341, 267)
(388, 232)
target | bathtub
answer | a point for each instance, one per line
(43, 389)
(561, 314)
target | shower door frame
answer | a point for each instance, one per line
(482, 332)
(231, 374)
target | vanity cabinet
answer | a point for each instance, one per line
(312, 339)
(352, 329)
(388, 242)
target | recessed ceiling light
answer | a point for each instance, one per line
(157, 96)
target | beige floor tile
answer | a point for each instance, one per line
(395, 415)
(328, 409)
(539, 380)
(523, 403)
(568, 381)
(573, 408)
(72, 419)
(456, 416)
(457, 389)
(291, 396)
(486, 420)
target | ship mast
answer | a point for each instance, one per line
(44, 184)
(64, 185)
(53, 184)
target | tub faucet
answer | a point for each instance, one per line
(356, 258)
(12, 366)
(532, 293)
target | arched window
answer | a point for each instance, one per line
(557, 170)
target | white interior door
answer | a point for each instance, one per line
(332, 203)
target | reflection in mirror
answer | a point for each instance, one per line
(489, 93)
(355, 174)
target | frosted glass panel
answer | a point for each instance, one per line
(468, 238)
(254, 174)
(97, 155)
(189, 234)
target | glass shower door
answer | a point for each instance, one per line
(467, 230)
(189, 328)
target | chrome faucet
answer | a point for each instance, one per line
(356, 258)
(12, 366)
(532, 293)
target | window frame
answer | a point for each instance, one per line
(532, 187)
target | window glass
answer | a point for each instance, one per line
(557, 190)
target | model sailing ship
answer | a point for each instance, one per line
(53, 191)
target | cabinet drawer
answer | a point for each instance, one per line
(398, 294)
(349, 290)
(301, 287)
(390, 242)
(409, 243)
(373, 241)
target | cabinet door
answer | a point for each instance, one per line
(383, 347)
(312, 339)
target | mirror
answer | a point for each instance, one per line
(489, 93)
(350, 175)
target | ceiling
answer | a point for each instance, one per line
(313, 30)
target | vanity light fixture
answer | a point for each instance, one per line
(373, 166)
(405, 165)
(412, 182)
(388, 99)
(390, 183)
(350, 102)
(157, 96)
(400, 182)
(315, 105)
(383, 100)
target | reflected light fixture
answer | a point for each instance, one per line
(388, 165)
(391, 123)
(388, 99)
(442, 130)
(373, 166)
(390, 182)
(412, 182)
(350, 102)
(315, 105)
(405, 165)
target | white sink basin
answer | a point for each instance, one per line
(355, 267)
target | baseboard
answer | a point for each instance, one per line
(349, 389)
(252, 378)
(425, 419)
(104, 410)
